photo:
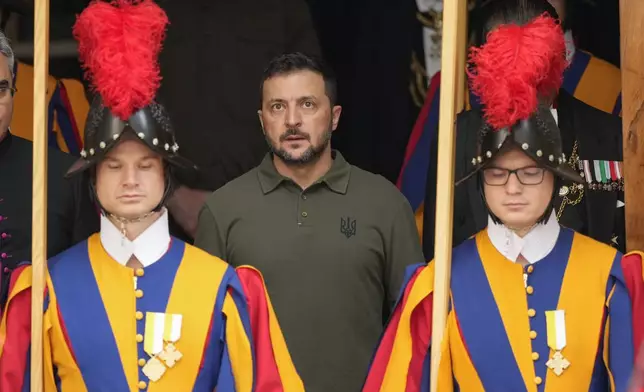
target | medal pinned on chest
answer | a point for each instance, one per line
(162, 331)
(556, 328)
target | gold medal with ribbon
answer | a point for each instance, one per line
(171, 333)
(161, 333)
(556, 329)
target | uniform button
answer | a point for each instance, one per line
(3, 255)
(4, 235)
(139, 338)
(529, 290)
(303, 197)
(138, 293)
(537, 380)
(139, 272)
(139, 316)
(530, 269)
(533, 334)
(531, 312)
(6, 270)
(142, 385)
(304, 214)
(535, 356)
(142, 362)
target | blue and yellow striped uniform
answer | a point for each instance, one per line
(94, 325)
(496, 338)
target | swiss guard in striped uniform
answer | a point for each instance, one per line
(591, 141)
(533, 306)
(132, 308)
(588, 108)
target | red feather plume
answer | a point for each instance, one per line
(119, 45)
(516, 66)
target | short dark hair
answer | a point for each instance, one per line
(491, 13)
(293, 62)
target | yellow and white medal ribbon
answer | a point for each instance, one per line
(154, 332)
(556, 329)
(172, 327)
(171, 333)
(153, 345)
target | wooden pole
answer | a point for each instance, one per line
(39, 219)
(461, 84)
(453, 28)
(631, 16)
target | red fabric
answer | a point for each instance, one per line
(72, 117)
(632, 268)
(515, 66)
(13, 361)
(267, 376)
(419, 126)
(379, 364)
(119, 44)
(421, 330)
(638, 375)
(613, 172)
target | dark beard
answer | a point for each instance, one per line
(312, 154)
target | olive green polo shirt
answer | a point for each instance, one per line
(333, 257)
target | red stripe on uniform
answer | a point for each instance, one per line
(419, 125)
(421, 331)
(381, 359)
(68, 107)
(632, 267)
(268, 377)
(17, 340)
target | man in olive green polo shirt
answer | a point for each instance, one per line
(331, 240)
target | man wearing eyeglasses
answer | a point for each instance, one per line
(592, 146)
(533, 305)
(70, 213)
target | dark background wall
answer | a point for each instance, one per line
(369, 44)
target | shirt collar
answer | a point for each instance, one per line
(148, 247)
(534, 246)
(337, 178)
(555, 114)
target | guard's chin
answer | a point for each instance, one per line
(133, 211)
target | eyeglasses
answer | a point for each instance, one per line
(496, 176)
(6, 93)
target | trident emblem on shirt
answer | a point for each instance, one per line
(348, 227)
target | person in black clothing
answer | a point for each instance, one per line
(592, 144)
(71, 216)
